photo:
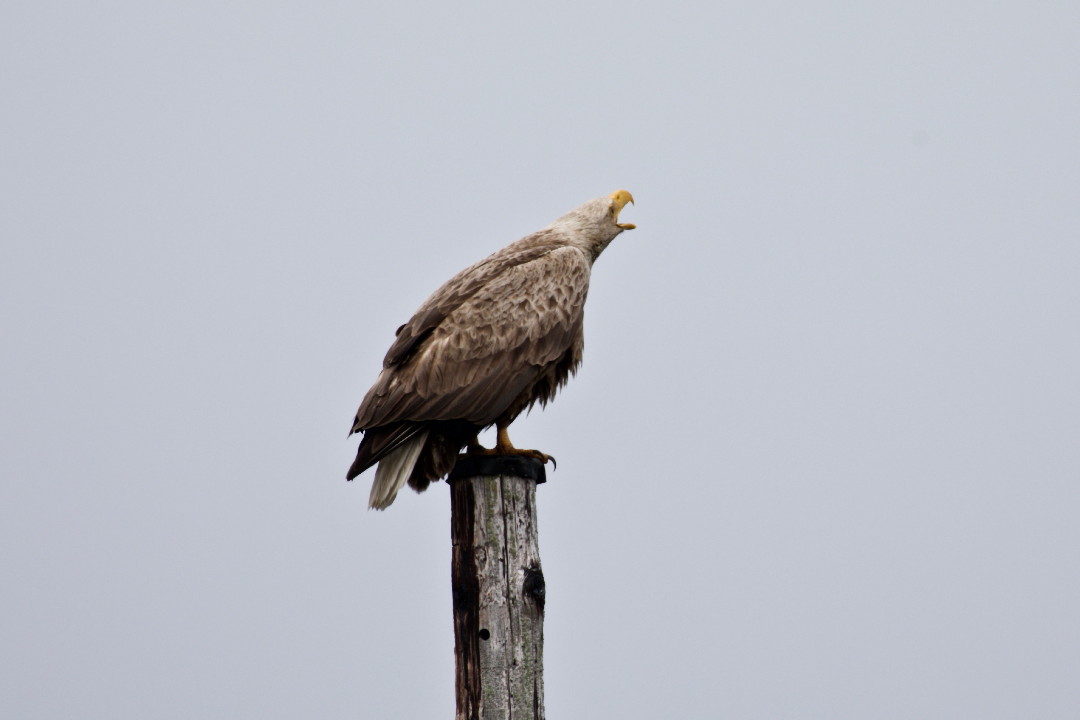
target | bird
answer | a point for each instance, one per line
(497, 338)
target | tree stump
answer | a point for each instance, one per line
(498, 588)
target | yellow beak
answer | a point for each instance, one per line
(619, 198)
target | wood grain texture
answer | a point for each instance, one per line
(499, 593)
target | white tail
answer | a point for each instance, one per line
(394, 471)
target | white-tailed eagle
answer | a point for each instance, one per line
(497, 338)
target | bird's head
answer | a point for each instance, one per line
(595, 224)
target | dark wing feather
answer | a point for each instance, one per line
(376, 445)
(488, 347)
(460, 288)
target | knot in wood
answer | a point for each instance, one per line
(534, 586)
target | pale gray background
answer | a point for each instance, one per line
(822, 460)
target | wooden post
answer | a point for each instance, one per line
(498, 588)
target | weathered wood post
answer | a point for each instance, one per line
(498, 588)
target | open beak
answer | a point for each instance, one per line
(619, 198)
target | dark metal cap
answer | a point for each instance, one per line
(521, 466)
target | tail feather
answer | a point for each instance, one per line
(394, 470)
(378, 443)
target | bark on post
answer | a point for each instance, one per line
(498, 588)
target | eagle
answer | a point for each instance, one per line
(494, 340)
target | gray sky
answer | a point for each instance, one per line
(822, 459)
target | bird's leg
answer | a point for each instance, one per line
(503, 446)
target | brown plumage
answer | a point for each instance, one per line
(497, 338)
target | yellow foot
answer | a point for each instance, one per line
(504, 447)
(542, 457)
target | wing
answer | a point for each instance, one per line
(460, 288)
(475, 360)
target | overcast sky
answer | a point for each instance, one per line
(822, 459)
